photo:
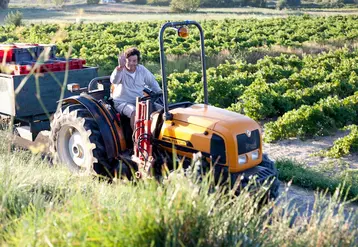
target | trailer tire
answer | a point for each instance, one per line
(268, 163)
(75, 140)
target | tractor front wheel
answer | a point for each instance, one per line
(268, 163)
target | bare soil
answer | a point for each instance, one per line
(305, 151)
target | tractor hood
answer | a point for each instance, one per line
(213, 118)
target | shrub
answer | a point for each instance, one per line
(184, 5)
(287, 3)
(159, 2)
(258, 100)
(293, 3)
(322, 118)
(4, 4)
(281, 4)
(93, 1)
(345, 145)
(138, 1)
(14, 18)
(58, 3)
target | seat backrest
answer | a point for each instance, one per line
(157, 121)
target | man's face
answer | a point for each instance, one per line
(131, 63)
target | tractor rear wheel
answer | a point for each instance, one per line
(76, 141)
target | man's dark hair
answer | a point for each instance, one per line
(132, 52)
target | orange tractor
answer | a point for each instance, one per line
(89, 135)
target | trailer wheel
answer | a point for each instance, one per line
(268, 163)
(76, 141)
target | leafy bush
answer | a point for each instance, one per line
(258, 100)
(218, 3)
(159, 2)
(345, 145)
(59, 3)
(320, 119)
(14, 18)
(281, 4)
(138, 1)
(93, 1)
(184, 5)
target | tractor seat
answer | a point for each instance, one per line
(157, 121)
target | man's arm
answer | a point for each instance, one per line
(117, 74)
(150, 80)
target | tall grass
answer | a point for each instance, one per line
(48, 206)
(314, 178)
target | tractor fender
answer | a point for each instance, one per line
(105, 121)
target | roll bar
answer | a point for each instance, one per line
(167, 115)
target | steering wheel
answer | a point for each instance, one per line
(154, 98)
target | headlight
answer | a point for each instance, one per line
(255, 155)
(242, 159)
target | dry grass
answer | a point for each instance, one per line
(309, 47)
(45, 11)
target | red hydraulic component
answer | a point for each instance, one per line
(142, 135)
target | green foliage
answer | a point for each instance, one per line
(184, 5)
(258, 99)
(184, 86)
(333, 3)
(281, 4)
(14, 18)
(100, 43)
(269, 87)
(159, 2)
(308, 177)
(138, 1)
(217, 3)
(93, 1)
(288, 82)
(320, 119)
(345, 145)
(59, 3)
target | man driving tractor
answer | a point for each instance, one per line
(129, 79)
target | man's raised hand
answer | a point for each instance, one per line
(121, 61)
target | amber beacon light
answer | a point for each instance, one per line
(183, 32)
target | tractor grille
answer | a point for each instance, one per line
(247, 144)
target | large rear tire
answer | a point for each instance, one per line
(75, 140)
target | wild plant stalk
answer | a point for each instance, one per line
(48, 206)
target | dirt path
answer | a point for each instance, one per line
(305, 150)
(303, 200)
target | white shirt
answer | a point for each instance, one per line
(132, 75)
(128, 85)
